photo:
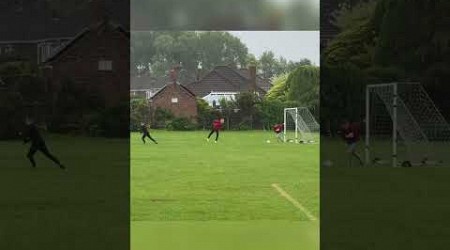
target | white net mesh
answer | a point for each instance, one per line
(300, 125)
(422, 132)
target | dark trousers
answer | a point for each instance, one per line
(147, 135)
(43, 148)
(212, 132)
(351, 150)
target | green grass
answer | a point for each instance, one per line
(47, 208)
(245, 235)
(385, 208)
(382, 207)
(185, 182)
(334, 149)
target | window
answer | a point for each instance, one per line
(148, 95)
(174, 100)
(105, 65)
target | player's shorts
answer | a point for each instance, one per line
(351, 147)
(39, 146)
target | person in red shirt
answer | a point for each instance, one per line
(278, 129)
(351, 135)
(216, 127)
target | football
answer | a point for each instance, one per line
(327, 163)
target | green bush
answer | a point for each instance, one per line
(385, 73)
(244, 126)
(139, 112)
(181, 124)
(205, 114)
(161, 118)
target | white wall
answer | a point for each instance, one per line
(217, 96)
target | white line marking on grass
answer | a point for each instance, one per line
(294, 202)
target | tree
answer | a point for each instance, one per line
(205, 113)
(305, 62)
(227, 107)
(246, 103)
(271, 112)
(279, 88)
(161, 50)
(354, 13)
(252, 60)
(139, 112)
(303, 86)
(357, 38)
(269, 64)
(218, 48)
(141, 50)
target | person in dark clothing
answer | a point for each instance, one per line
(216, 126)
(37, 144)
(351, 135)
(146, 134)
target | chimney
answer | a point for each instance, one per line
(252, 70)
(98, 11)
(173, 75)
(174, 72)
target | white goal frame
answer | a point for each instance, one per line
(396, 101)
(299, 130)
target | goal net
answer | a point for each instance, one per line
(403, 126)
(300, 126)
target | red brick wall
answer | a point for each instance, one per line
(186, 106)
(80, 63)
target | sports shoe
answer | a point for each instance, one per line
(215, 141)
(207, 139)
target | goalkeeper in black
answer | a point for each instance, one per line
(32, 135)
(146, 134)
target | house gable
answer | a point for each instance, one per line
(103, 29)
(178, 99)
(173, 89)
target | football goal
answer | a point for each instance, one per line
(403, 126)
(300, 126)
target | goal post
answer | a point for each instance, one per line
(403, 126)
(300, 126)
(290, 128)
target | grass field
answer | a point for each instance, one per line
(382, 207)
(47, 208)
(334, 149)
(187, 193)
(385, 208)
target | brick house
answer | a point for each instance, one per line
(177, 99)
(83, 45)
(33, 31)
(95, 60)
(226, 82)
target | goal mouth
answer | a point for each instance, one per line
(404, 127)
(300, 126)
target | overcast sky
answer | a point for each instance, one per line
(292, 45)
